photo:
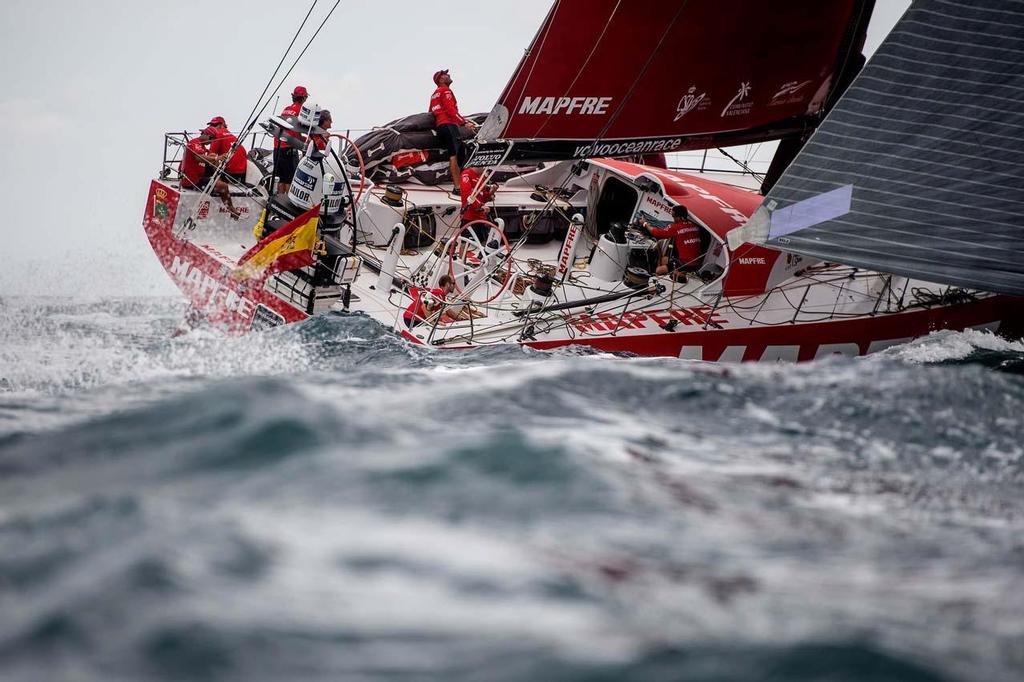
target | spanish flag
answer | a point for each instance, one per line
(287, 248)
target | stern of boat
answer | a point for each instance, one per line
(184, 229)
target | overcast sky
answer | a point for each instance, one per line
(87, 89)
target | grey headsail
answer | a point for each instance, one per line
(919, 169)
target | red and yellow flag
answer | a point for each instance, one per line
(288, 248)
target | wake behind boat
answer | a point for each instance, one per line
(569, 253)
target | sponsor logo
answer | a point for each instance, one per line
(264, 318)
(627, 148)
(488, 154)
(789, 93)
(753, 261)
(207, 292)
(740, 103)
(586, 106)
(204, 210)
(481, 159)
(659, 206)
(691, 101)
(654, 319)
(568, 249)
(304, 180)
(244, 210)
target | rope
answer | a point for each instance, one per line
(251, 122)
(252, 112)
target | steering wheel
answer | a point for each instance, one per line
(362, 166)
(473, 264)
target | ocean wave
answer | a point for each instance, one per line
(324, 501)
(969, 346)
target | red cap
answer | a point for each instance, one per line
(217, 121)
(300, 91)
(210, 131)
(438, 74)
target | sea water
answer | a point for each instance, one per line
(326, 502)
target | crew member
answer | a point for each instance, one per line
(198, 165)
(221, 146)
(419, 310)
(286, 157)
(687, 244)
(321, 140)
(477, 208)
(447, 120)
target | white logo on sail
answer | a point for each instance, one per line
(789, 93)
(739, 104)
(689, 102)
(591, 106)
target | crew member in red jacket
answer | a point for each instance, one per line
(321, 140)
(420, 310)
(222, 145)
(447, 120)
(198, 164)
(687, 243)
(477, 208)
(286, 157)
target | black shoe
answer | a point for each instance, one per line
(456, 192)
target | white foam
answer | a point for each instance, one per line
(947, 345)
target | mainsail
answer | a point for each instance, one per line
(919, 169)
(618, 77)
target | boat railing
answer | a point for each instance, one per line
(174, 149)
(719, 162)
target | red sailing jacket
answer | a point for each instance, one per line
(417, 311)
(222, 145)
(290, 110)
(192, 167)
(444, 107)
(476, 210)
(687, 239)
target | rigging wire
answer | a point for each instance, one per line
(251, 121)
(295, 36)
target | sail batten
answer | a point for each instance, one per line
(962, 158)
(979, 185)
(897, 136)
(929, 137)
(804, 193)
(863, 231)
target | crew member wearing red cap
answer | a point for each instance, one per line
(197, 168)
(447, 120)
(222, 146)
(286, 157)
